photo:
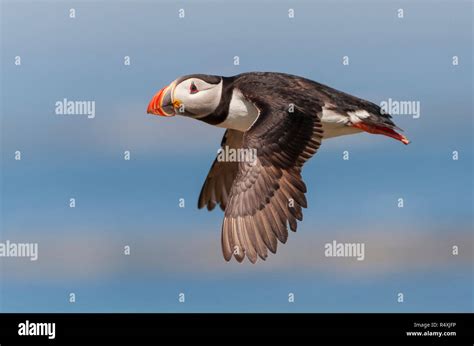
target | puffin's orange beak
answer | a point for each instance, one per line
(162, 102)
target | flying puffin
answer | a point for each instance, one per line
(284, 118)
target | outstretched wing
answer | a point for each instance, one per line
(219, 180)
(268, 193)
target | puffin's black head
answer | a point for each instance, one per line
(196, 96)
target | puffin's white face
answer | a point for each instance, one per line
(196, 97)
(189, 96)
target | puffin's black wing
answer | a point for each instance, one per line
(219, 180)
(268, 193)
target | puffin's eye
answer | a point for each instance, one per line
(193, 88)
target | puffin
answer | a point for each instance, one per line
(283, 119)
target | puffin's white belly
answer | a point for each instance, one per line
(335, 124)
(242, 114)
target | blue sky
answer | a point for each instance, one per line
(136, 202)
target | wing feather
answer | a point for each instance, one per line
(268, 194)
(218, 183)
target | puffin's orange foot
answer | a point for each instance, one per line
(381, 130)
